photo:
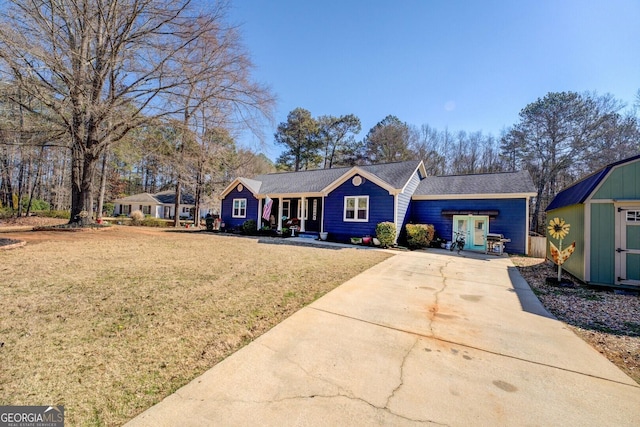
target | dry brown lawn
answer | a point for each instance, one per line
(109, 322)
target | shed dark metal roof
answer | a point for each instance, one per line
(579, 191)
(481, 184)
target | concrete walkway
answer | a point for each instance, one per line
(423, 338)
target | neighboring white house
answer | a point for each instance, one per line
(159, 205)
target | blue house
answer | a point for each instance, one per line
(350, 202)
(477, 205)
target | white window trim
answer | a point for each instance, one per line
(355, 214)
(633, 217)
(242, 212)
(286, 203)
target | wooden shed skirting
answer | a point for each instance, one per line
(538, 246)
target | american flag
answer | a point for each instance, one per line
(266, 211)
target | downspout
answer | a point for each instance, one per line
(395, 217)
(527, 228)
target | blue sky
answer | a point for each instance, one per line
(461, 65)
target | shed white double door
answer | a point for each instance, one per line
(474, 228)
(628, 245)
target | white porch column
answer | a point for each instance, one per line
(280, 213)
(303, 213)
(322, 215)
(259, 221)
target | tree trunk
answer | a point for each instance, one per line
(82, 172)
(32, 191)
(20, 187)
(176, 221)
(103, 185)
(198, 195)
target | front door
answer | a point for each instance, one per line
(628, 245)
(479, 233)
(474, 229)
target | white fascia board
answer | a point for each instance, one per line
(289, 195)
(423, 172)
(604, 178)
(235, 183)
(473, 196)
(357, 171)
(230, 187)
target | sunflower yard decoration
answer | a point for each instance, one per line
(559, 229)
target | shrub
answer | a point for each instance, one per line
(386, 234)
(6, 212)
(108, 208)
(420, 235)
(137, 217)
(54, 214)
(153, 222)
(36, 204)
(249, 227)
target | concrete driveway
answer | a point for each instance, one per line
(422, 338)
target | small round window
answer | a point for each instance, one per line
(240, 187)
(356, 181)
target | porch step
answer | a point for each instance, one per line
(307, 235)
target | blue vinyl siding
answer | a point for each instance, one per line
(380, 209)
(511, 220)
(227, 208)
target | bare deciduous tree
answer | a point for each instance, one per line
(100, 68)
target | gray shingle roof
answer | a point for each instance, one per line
(491, 183)
(396, 174)
(138, 198)
(313, 181)
(169, 197)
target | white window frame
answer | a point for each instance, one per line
(239, 211)
(633, 216)
(286, 208)
(355, 212)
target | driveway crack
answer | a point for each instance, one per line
(401, 382)
(433, 309)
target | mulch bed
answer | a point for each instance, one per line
(607, 319)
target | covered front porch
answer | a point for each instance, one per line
(305, 213)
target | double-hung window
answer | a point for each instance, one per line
(239, 208)
(356, 208)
